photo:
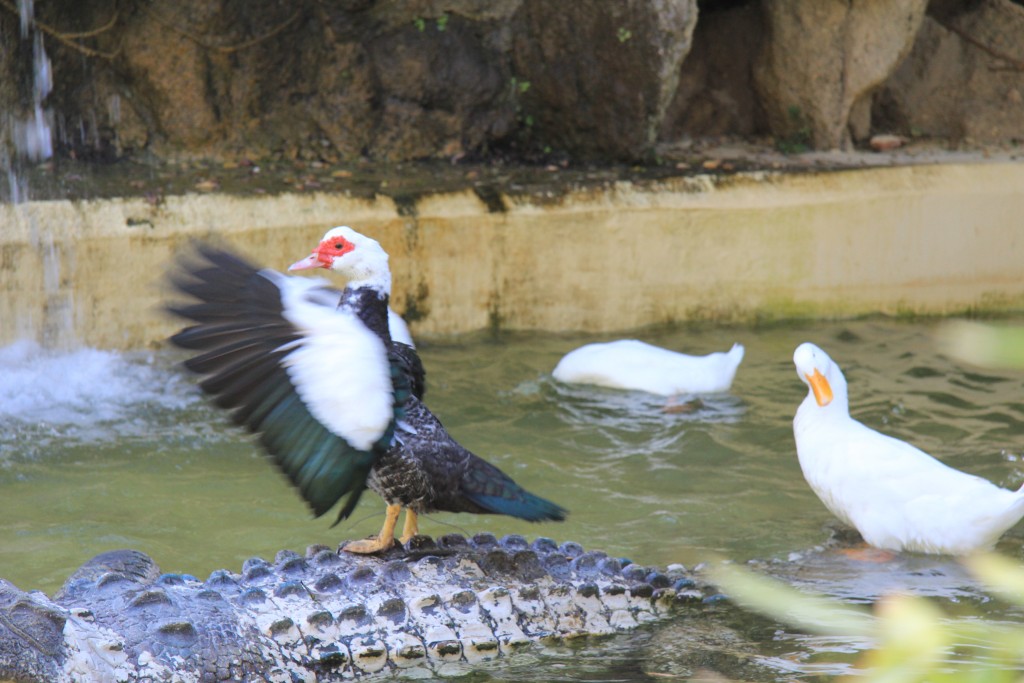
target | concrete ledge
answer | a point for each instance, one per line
(932, 239)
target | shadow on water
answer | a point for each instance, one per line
(103, 450)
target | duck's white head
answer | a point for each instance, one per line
(821, 374)
(359, 259)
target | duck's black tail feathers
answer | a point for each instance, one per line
(496, 492)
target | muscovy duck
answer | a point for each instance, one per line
(897, 496)
(637, 365)
(314, 372)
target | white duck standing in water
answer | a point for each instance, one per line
(636, 365)
(897, 496)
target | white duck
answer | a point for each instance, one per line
(633, 364)
(897, 496)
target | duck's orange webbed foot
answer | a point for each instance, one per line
(382, 541)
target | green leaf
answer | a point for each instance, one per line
(1002, 576)
(983, 345)
(779, 601)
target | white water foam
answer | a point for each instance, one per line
(87, 395)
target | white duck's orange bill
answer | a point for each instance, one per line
(820, 387)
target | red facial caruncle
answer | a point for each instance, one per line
(324, 254)
(328, 250)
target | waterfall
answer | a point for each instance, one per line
(32, 135)
(31, 142)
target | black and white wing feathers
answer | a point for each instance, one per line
(321, 391)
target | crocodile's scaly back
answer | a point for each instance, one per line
(329, 615)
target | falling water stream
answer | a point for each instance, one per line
(103, 450)
(31, 141)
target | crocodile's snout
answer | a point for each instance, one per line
(31, 635)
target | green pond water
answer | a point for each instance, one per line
(103, 450)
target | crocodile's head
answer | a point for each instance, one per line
(31, 635)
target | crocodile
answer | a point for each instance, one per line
(440, 605)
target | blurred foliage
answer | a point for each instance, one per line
(981, 344)
(914, 640)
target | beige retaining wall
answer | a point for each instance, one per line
(918, 239)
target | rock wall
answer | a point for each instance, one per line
(823, 56)
(598, 76)
(388, 80)
(964, 78)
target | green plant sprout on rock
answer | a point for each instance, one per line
(798, 138)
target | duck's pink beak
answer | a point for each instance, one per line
(308, 263)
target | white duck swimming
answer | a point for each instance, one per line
(897, 496)
(633, 364)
